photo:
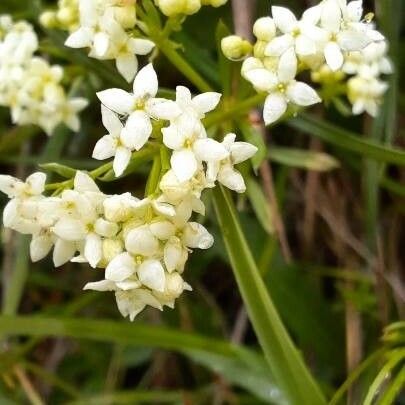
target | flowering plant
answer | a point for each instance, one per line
(191, 147)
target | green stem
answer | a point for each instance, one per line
(167, 48)
(154, 176)
(234, 111)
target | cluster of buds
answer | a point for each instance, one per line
(106, 28)
(65, 17)
(331, 40)
(143, 245)
(172, 8)
(29, 85)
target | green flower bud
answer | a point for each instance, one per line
(48, 19)
(235, 48)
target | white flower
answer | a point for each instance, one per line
(339, 37)
(115, 143)
(188, 140)
(365, 94)
(140, 106)
(299, 34)
(282, 88)
(224, 171)
(125, 49)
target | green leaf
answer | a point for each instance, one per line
(304, 159)
(253, 379)
(125, 333)
(253, 136)
(286, 363)
(260, 205)
(63, 171)
(347, 140)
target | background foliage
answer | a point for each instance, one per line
(339, 183)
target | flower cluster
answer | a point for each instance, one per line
(105, 27)
(29, 85)
(143, 245)
(185, 7)
(331, 40)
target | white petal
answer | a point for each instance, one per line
(172, 137)
(287, 66)
(333, 56)
(106, 228)
(183, 96)
(93, 249)
(40, 246)
(128, 285)
(163, 230)
(141, 46)
(83, 182)
(206, 102)
(121, 160)
(241, 151)
(196, 236)
(120, 268)
(232, 179)
(8, 185)
(304, 45)
(184, 164)
(117, 100)
(355, 10)
(141, 241)
(111, 121)
(261, 79)
(100, 43)
(80, 39)
(172, 254)
(137, 131)
(274, 107)
(36, 181)
(127, 65)
(105, 148)
(146, 82)
(160, 108)
(331, 15)
(162, 208)
(102, 285)
(312, 15)
(278, 45)
(302, 94)
(352, 40)
(69, 229)
(129, 304)
(63, 252)
(283, 18)
(152, 274)
(208, 149)
(11, 213)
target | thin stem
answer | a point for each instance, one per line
(27, 386)
(234, 111)
(167, 48)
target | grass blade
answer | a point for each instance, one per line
(286, 363)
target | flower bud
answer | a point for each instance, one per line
(213, 3)
(264, 29)
(67, 16)
(126, 16)
(111, 248)
(175, 7)
(48, 19)
(235, 48)
(258, 49)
